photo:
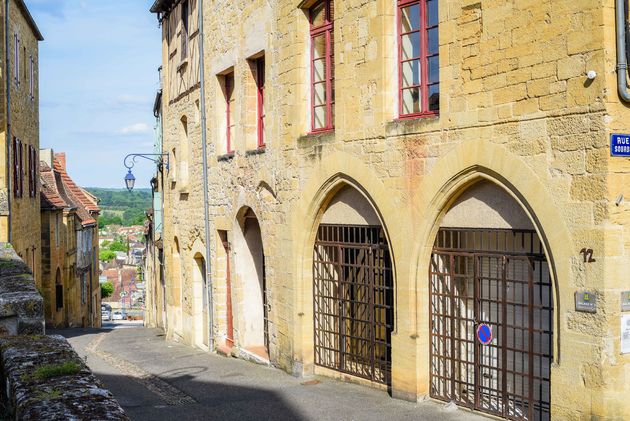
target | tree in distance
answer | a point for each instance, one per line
(105, 255)
(107, 289)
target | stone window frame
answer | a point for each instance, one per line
(422, 59)
(325, 29)
(18, 172)
(32, 171)
(185, 15)
(260, 102)
(16, 59)
(32, 80)
(229, 82)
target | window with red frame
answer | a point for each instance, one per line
(229, 111)
(321, 16)
(260, 89)
(419, 65)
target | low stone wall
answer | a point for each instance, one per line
(21, 306)
(42, 377)
(45, 379)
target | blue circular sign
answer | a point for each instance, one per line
(484, 334)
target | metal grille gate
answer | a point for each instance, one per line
(501, 278)
(353, 301)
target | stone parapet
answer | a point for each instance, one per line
(21, 306)
(45, 379)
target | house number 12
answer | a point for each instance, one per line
(588, 255)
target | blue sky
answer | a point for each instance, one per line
(98, 78)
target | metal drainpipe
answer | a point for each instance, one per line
(622, 58)
(204, 161)
(8, 134)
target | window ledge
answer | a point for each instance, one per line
(226, 157)
(411, 124)
(317, 137)
(182, 65)
(258, 151)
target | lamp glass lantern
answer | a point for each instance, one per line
(130, 180)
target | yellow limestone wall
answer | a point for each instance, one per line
(25, 219)
(515, 108)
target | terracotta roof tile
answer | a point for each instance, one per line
(49, 195)
(74, 196)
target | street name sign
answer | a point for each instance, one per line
(586, 302)
(620, 145)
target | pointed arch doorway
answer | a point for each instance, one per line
(353, 289)
(488, 266)
(253, 308)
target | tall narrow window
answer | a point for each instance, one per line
(419, 68)
(22, 150)
(30, 171)
(184, 33)
(229, 111)
(33, 171)
(16, 59)
(260, 89)
(16, 168)
(57, 230)
(32, 80)
(322, 66)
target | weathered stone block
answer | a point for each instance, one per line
(45, 379)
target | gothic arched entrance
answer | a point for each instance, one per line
(488, 266)
(353, 291)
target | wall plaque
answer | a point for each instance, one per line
(625, 334)
(586, 302)
(625, 301)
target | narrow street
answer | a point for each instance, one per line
(157, 380)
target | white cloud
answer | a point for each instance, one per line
(138, 128)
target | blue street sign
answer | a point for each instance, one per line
(484, 334)
(620, 144)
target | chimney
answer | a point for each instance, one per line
(61, 157)
(46, 155)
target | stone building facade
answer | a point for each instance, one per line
(69, 238)
(19, 137)
(452, 174)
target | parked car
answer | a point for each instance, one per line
(118, 315)
(106, 315)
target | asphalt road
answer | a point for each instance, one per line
(157, 380)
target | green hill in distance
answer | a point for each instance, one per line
(121, 207)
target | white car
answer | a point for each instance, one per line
(117, 315)
(106, 315)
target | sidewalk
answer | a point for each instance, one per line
(156, 380)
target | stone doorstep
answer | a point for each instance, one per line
(249, 355)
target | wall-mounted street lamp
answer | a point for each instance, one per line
(160, 159)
